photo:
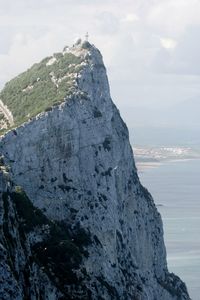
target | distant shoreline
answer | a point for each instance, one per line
(153, 157)
(143, 166)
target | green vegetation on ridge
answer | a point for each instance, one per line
(40, 87)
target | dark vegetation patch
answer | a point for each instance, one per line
(97, 241)
(14, 132)
(62, 249)
(121, 222)
(96, 170)
(110, 289)
(66, 188)
(1, 161)
(73, 210)
(30, 216)
(97, 113)
(53, 179)
(102, 200)
(107, 172)
(49, 108)
(102, 197)
(119, 236)
(65, 179)
(106, 144)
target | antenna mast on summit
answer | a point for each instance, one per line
(87, 36)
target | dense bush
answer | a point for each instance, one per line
(30, 216)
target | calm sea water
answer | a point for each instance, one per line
(176, 186)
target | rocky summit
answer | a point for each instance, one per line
(75, 221)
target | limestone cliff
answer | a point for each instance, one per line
(76, 223)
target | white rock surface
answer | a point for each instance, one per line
(7, 113)
(77, 158)
(51, 61)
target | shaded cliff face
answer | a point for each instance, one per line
(76, 166)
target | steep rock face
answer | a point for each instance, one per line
(21, 275)
(76, 165)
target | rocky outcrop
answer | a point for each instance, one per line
(76, 166)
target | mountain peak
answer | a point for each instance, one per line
(76, 221)
(46, 84)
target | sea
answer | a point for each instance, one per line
(175, 187)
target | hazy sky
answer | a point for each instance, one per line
(151, 47)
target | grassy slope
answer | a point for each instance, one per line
(44, 94)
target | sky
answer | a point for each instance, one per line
(151, 49)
